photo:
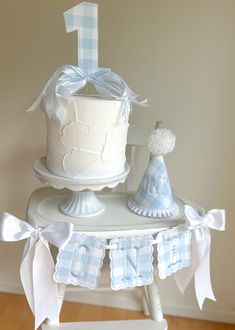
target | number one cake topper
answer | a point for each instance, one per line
(84, 19)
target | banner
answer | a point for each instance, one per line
(183, 251)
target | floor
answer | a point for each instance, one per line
(16, 315)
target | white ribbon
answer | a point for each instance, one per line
(201, 243)
(68, 80)
(37, 266)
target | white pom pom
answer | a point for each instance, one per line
(161, 141)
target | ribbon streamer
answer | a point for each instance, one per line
(37, 266)
(68, 80)
(201, 243)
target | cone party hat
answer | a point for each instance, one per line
(154, 196)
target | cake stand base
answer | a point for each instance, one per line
(82, 201)
(82, 204)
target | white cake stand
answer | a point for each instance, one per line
(83, 201)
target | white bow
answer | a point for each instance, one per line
(201, 243)
(37, 266)
(69, 79)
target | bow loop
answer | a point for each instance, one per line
(13, 229)
(214, 219)
(58, 234)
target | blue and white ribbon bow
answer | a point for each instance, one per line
(68, 80)
(37, 266)
(201, 243)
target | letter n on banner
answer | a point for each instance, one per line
(131, 262)
(80, 261)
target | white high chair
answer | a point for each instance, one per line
(116, 221)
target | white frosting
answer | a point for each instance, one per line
(91, 144)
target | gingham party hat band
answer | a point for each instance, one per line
(154, 195)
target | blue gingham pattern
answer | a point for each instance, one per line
(174, 251)
(84, 19)
(131, 262)
(80, 261)
(154, 191)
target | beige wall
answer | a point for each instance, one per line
(177, 53)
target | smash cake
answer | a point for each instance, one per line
(86, 134)
(92, 141)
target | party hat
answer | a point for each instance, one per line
(154, 195)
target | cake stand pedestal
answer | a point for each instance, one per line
(82, 202)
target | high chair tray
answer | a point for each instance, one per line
(117, 219)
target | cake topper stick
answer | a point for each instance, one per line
(84, 19)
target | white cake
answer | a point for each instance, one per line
(92, 140)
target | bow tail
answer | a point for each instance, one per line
(41, 290)
(184, 276)
(45, 288)
(203, 287)
(26, 271)
(51, 82)
(199, 269)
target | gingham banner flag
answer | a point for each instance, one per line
(84, 19)
(174, 251)
(80, 261)
(131, 262)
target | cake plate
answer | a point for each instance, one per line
(82, 202)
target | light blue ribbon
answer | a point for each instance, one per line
(68, 80)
